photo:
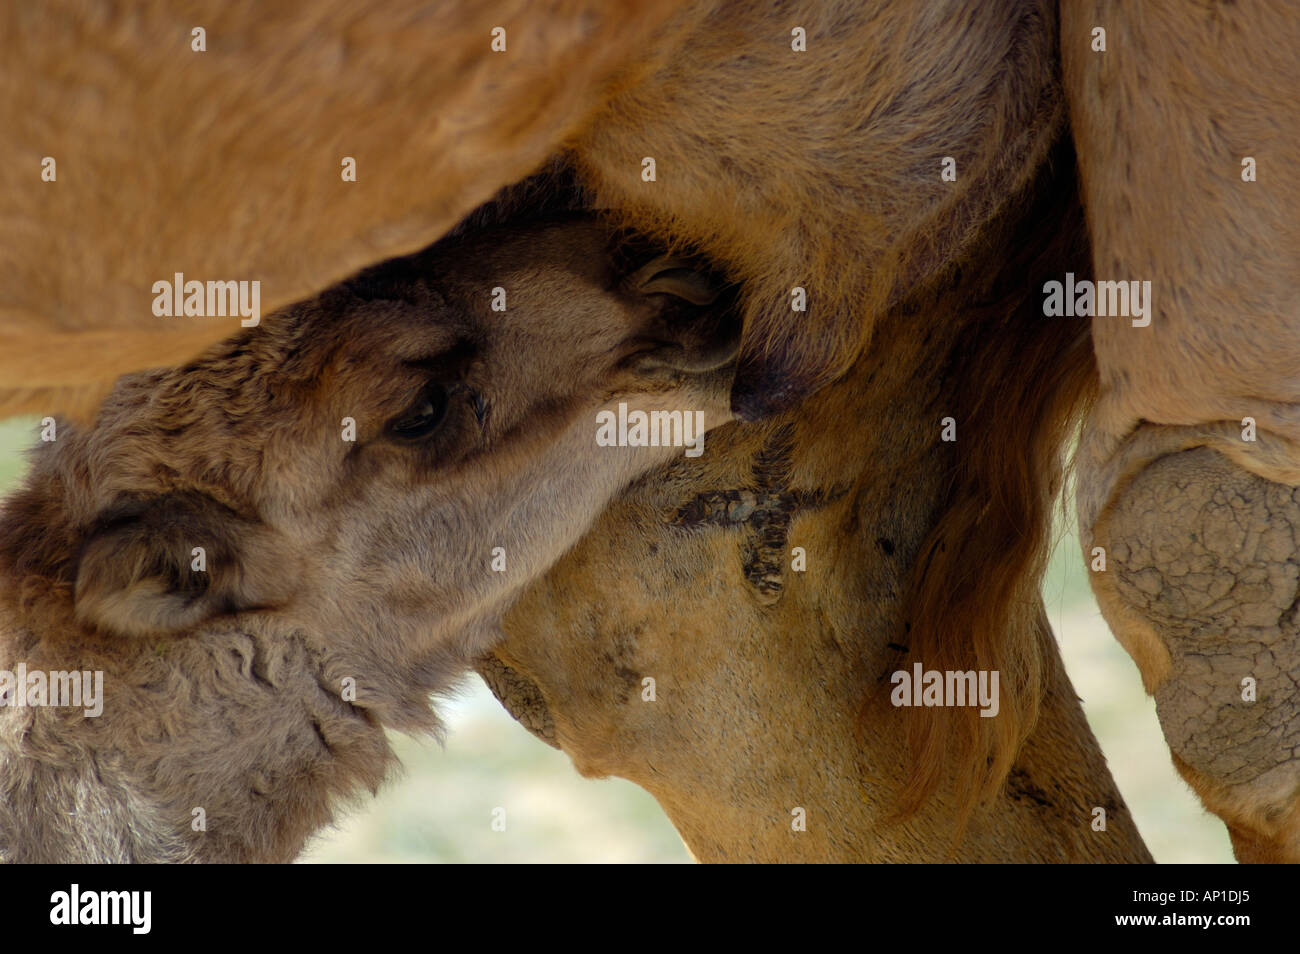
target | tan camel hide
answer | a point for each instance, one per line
(767, 730)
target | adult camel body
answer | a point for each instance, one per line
(770, 734)
(819, 168)
(136, 149)
(1189, 462)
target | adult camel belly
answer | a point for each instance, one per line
(850, 154)
(1187, 137)
(288, 145)
(728, 635)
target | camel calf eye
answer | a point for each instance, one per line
(423, 417)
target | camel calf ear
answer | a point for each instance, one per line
(165, 564)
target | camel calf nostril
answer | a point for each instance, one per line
(695, 344)
(712, 357)
(674, 356)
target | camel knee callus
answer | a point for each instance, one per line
(1200, 587)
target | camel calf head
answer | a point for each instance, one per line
(270, 554)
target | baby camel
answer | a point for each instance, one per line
(279, 550)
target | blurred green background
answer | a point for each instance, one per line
(440, 809)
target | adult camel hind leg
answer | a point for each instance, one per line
(1186, 133)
